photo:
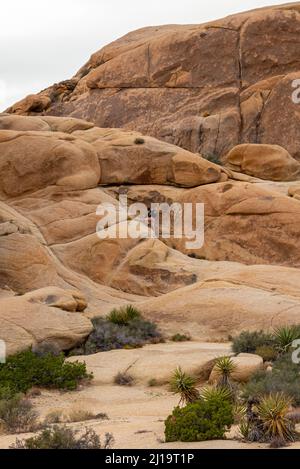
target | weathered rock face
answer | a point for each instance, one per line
(246, 223)
(225, 89)
(131, 158)
(74, 155)
(270, 162)
(203, 87)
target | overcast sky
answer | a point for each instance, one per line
(46, 41)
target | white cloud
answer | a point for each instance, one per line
(43, 41)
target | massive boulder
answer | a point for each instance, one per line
(270, 162)
(203, 87)
(246, 223)
(41, 316)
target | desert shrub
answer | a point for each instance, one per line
(199, 421)
(266, 420)
(180, 338)
(6, 392)
(284, 378)
(46, 348)
(248, 342)
(26, 369)
(17, 415)
(63, 437)
(82, 415)
(123, 316)
(273, 410)
(109, 336)
(152, 382)
(267, 353)
(139, 141)
(54, 416)
(123, 379)
(184, 385)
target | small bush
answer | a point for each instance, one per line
(267, 353)
(64, 438)
(139, 141)
(266, 420)
(17, 415)
(26, 369)
(55, 416)
(152, 382)
(180, 338)
(123, 379)
(199, 421)
(46, 348)
(285, 378)
(109, 336)
(248, 342)
(123, 316)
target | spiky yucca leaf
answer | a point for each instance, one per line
(225, 366)
(273, 410)
(285, 336)
(215, 392)
(185, 386)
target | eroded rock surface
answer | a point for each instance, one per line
(203, 87)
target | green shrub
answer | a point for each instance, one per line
(180, 338)
(64, 438)
(284, 378)
(123, 316)
(248, 342)
(17, 415)
(82, 415)
(152, 382)
(267, 353)
(199, 421)
(26, 369)
(109, 336)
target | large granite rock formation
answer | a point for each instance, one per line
(186, 97)
(204, 87)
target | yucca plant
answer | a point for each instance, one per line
(272, 410)
(185, 386)
(123, 316)
(224, 367)
(239, 412)
(285, 336)
(211, 393)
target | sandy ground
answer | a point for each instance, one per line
(136, 414)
